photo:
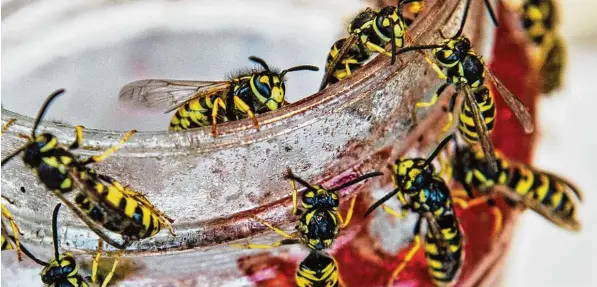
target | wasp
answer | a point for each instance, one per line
(62, 270)
(320, 220)
(457, 64)
(540, 20)
(551, 196)
(99, 199)
(200, 103)
(370, 31)
(318, 269)
(421, 190)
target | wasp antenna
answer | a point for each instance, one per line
(43, 110)
(463, 21)
(299, 68)
(491, 13)
(356, 180)
(381, 201)
(55, 230)
(301, 181)
(260, 62)
(9, 157)
(438, 149)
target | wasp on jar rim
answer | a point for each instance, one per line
(201, 103)
(421, 190)
(63, 269)
(321, 220)
(551, 196)
(99, 200)
(369, 32)
(457, 63)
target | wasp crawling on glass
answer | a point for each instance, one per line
(318, 269)
(369, 32)
(540, 21)
(321, 220)
(551, 196)
(421, 190)
(201, 103)
(62, 270)
(458, 64)
(100, 200)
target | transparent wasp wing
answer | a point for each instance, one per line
(169, 94)
(518, 108)
(437, 233)
(87, 189)
(331, 67)
(482, 131)
(536, 206)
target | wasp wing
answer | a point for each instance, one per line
(331, 67)
(543, 210)
(169, 94)
(518, 108)
(482, 131)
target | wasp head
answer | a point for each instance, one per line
(269, 89)
(320, 198)
(363, 20)
(411, 174)
(34, 150)
(59, 269)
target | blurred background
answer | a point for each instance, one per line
(92, 48)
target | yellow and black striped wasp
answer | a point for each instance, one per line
(318, 269)
(458, 64)
(421, 190)
(62, 270)
(321, 220)
(6, 243)
(540, 21)
(551, 196)
(201, 103)
(99, 199)
(369, 32)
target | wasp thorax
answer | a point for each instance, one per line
(318, 228)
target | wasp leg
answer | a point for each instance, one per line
(401, 215)
(240, 104)
(96, 258)
(294, 194)
(214, 115)
(109, 276)
(8, 124)
(495, 211)
(344, 222)
(410, 254)
(15, 230)
(110, 151)
(289, 238)
(78, 138)
(266, 246)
